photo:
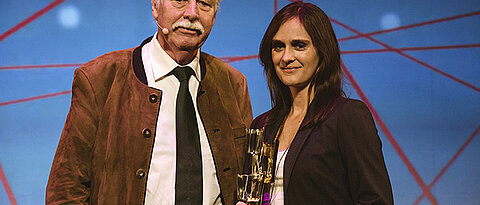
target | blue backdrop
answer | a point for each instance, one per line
(415, 63)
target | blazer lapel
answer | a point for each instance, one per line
(302, 135)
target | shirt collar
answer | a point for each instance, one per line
(162, 63)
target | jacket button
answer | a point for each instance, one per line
(147, 133)
(153, 98)
(140, 173)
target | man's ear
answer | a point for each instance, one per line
(154, 9)
(214, 17)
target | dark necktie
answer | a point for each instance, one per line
(188, 179)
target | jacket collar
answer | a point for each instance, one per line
(139, 70)
(304, 132)
(137, 62)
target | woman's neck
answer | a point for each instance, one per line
(301, 98)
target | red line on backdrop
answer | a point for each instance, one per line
(412, 49)
(73, 65)
(30, 19)
(275, 6)
(408, 56)
(233, 59)
(4, 180)
(247, 57)
(390, 137)
(34, 98)
(454, 158)
(226, 59)
(413, 25)
(18, 67)
(238, 58)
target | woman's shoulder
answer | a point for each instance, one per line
(348, 108)
(352, 111)
(352, 106)
(260, 121)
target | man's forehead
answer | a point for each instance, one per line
(209, 1)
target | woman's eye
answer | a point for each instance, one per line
(299, 45)
(278, 46)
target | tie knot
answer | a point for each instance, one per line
(182, 73)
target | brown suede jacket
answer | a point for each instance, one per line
(105, 149)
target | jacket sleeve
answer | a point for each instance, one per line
(69, 180)
(362, 155)
(243, 98)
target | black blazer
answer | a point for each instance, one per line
(336, 161)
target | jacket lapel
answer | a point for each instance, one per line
(218, 128)
(301, 137)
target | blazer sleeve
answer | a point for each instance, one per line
(362, 155)
(69, 180)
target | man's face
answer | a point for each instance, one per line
(189, 22)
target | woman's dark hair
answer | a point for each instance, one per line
(326, 81)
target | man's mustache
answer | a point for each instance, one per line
(189, 25)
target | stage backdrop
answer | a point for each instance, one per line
(415, 63)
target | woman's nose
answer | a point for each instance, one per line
(288, 55)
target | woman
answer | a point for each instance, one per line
(329, 151)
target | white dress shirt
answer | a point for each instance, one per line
(161, 175)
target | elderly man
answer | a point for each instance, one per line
(162, 123)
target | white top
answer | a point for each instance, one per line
(161, 175)
(277, 193)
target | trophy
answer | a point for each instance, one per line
(250, 186)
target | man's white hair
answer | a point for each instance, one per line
(215, 6)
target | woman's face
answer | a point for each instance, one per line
(294, 57)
